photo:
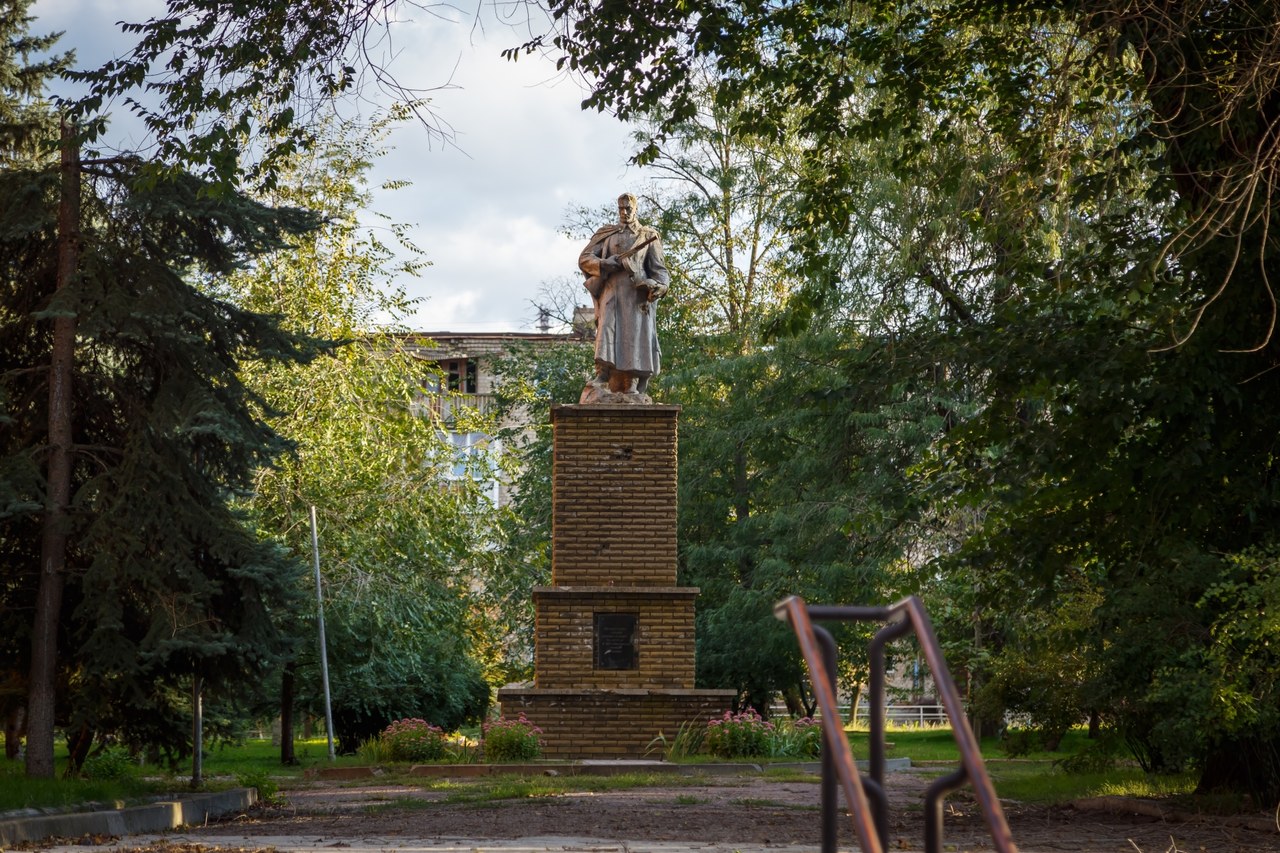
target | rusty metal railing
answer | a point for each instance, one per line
(865, 796)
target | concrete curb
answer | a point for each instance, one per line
(608, 767)
(154, 817)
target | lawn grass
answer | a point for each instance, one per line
(224, 764)
(18, 792)
(1034, 776)
(492, 788)
(937, 743)
(1029, 778)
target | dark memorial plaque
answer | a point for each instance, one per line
(615, 640)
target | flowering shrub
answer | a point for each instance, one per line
(414, 740)
(800, 738)
(512, 740)
(739, 735)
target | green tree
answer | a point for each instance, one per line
(163, 580)
(532, 378)
(1129, 155)
(400, 537)
(221, 74)
(28, 128)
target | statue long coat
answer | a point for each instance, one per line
(626, 327)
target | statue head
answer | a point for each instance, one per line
(627, 215)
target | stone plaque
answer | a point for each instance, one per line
(615, 641)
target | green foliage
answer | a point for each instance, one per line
(232, 81)
(165, 579)
(111, 764)
(17, 791)
(511, 740)
(531, 379)
(796, 738)
(1049, 272)
(400, 537)
(28, 126)
(1097, 756)
(374, 750)
(687, 742)
(268, 789)
(414, 740)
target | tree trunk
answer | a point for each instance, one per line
(853, 706)
(41, 691)
(287, 684)
(78, 746)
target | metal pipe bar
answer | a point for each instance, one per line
(879, 807)
(793, 610)
(849, 613)
(970, 754)
(933, 797)
(877, 716)
(830, 779)
(909, 613)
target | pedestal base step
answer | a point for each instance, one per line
(610, 723)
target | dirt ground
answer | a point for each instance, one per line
(740, 809)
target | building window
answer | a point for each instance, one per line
(460, 373)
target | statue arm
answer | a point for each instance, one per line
(655, 267)
(591, 257)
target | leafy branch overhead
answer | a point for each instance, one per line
(213, 80)
(1198, 81)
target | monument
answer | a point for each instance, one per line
(614, 637)
(626, 275)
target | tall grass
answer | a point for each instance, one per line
(19, 792)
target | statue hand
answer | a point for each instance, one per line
(656, 290)
(609, 266)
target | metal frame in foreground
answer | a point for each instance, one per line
(865, 796)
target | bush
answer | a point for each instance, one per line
(268, 790)
(742, 735)
(512, 740)
(414, 740)
(374, 751)
(800, 738)
(110, 765)
(1020, 742)
(1097, 756)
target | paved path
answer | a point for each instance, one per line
(539, 844)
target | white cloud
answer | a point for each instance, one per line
(486, 209)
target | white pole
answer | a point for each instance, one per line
(324, 650)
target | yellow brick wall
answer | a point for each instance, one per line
(614, 495)
(564, 653)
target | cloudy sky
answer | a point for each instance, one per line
(487, 208)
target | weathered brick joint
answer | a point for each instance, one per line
(614, 640)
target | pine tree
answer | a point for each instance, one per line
(163, 581)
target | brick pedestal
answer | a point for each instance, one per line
(614, 639)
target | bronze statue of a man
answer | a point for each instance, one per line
(625, 276)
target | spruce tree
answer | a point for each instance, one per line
(163, 581)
